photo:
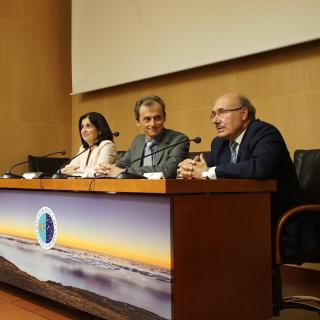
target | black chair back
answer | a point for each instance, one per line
(47, 165)
(297, 236)
(307, 164)
(300, 239)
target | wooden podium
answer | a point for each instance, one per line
(220, 240)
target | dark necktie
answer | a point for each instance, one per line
(233, 149)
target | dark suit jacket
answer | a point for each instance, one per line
(165, 161)
(262, 155)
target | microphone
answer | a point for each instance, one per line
(9, 175)
(128, 175)
(197, 140)
(59, 175)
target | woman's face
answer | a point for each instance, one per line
(89, 132)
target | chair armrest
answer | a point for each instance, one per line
(283, 219)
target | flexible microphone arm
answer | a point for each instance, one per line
(59, 175)
(9, 175)
(128, 175)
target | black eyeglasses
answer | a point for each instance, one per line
(222, 113)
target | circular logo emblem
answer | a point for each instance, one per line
(46, 228)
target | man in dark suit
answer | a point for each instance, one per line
(150, 114)
(246, 148)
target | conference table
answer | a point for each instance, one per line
(141, 249)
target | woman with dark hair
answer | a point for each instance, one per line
(97, 146)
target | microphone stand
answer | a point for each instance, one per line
(9, 175)
(59, 174)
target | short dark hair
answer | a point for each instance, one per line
(245, 102)
(148, 101)
(100, 122)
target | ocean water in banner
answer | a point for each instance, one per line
(109, 255)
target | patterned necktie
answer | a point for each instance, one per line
(233, 149)
(147, 161)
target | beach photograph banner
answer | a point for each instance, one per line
(106, 254)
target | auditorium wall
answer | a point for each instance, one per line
(35, 79)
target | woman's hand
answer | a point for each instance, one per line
(70, 170)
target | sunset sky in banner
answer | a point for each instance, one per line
(132, 227)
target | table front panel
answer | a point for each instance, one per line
(111, 256)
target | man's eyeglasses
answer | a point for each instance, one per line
(222, 113)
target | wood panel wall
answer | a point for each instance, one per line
(283, 84)
(35, 79)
